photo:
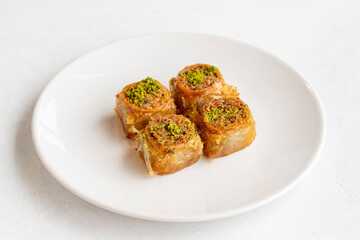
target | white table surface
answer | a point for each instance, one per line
(320, 38)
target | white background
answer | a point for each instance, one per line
(320, 38)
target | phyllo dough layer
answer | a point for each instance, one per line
(195, 83)
(140, 101)
(226, 126)
(168, 144)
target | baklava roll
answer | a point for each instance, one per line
(227, 126)
(168, 144)
(140, 101)
(195, 83)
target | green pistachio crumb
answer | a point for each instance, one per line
(215, 114)
(197, 76)
(170, 149)
(143, 92)
(211, 115)
(173, 129)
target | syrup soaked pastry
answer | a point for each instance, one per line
(227, 126)
(168, 144)
(140, 101)
(196, 83)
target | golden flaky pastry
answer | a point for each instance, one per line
(140, 101)
(168, 144)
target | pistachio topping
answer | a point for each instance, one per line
(173, 129)
(143, 92)
(196, 75)
(224, 112)
(170, 149)
(215, 113)
(169, 130)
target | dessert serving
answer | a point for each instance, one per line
(212, 119)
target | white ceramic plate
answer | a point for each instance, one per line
(81, 142)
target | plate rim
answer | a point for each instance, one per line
(189, 217)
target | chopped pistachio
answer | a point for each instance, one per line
(173, 129)
(197, 76)
(170, 149)
(225, 115)
(143, 92)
